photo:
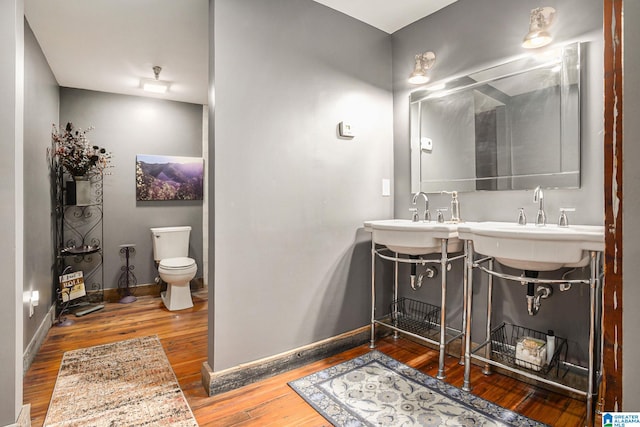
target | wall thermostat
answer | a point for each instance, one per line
(346, 130)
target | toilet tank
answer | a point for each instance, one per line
(170, 242)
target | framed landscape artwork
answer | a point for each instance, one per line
(169, 177)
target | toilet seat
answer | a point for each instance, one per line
(177, 273)
(179, 263)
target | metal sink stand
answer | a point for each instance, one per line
(594, 282)
(386, 322)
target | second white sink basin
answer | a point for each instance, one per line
(414, 238)
(530, 247)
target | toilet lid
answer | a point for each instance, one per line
(177, 263)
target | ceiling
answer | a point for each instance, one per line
(387, 15)
(110, 45)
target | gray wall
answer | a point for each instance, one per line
(41, 104)
(11, 210)
(462, 45)
(291, 258)
(631, 209)
(126, 126)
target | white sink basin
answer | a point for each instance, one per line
(528, 247)
(414, 238)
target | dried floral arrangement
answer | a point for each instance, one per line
(71, 148)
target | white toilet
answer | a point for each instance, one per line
(170, 251)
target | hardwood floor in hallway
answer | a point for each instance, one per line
(271, 402)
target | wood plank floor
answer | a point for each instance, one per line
(270, 402)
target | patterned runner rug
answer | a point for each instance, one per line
(126, 383)
(377, 390)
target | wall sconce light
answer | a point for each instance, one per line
(424, 62)
(539, 22)
(155, 85)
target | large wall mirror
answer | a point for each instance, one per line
(510, 127)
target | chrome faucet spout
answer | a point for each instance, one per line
(426, 215)
(538, 197)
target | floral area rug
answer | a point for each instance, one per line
(126, 383)
(377, 390)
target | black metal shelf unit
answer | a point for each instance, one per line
(77, 238)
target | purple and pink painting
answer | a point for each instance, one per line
(169, 177)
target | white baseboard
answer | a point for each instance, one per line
(216, 382)
(37, 340)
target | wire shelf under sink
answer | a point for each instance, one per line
(415, 316)
(504, 339)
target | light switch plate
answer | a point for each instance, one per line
(386, 187)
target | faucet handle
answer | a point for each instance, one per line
(414, 216)
(440, 215)
(522, 218)
(563, 221)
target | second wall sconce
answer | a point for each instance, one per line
(423, 64)
(540, 20)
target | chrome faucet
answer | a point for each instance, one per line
(427, 215)
(538, 197)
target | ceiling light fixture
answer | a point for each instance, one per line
(539, 22)
(155, 85)
(423, 64)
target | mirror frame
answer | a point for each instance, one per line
(570, 56)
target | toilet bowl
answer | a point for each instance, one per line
(176, 269)
(177, 273)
